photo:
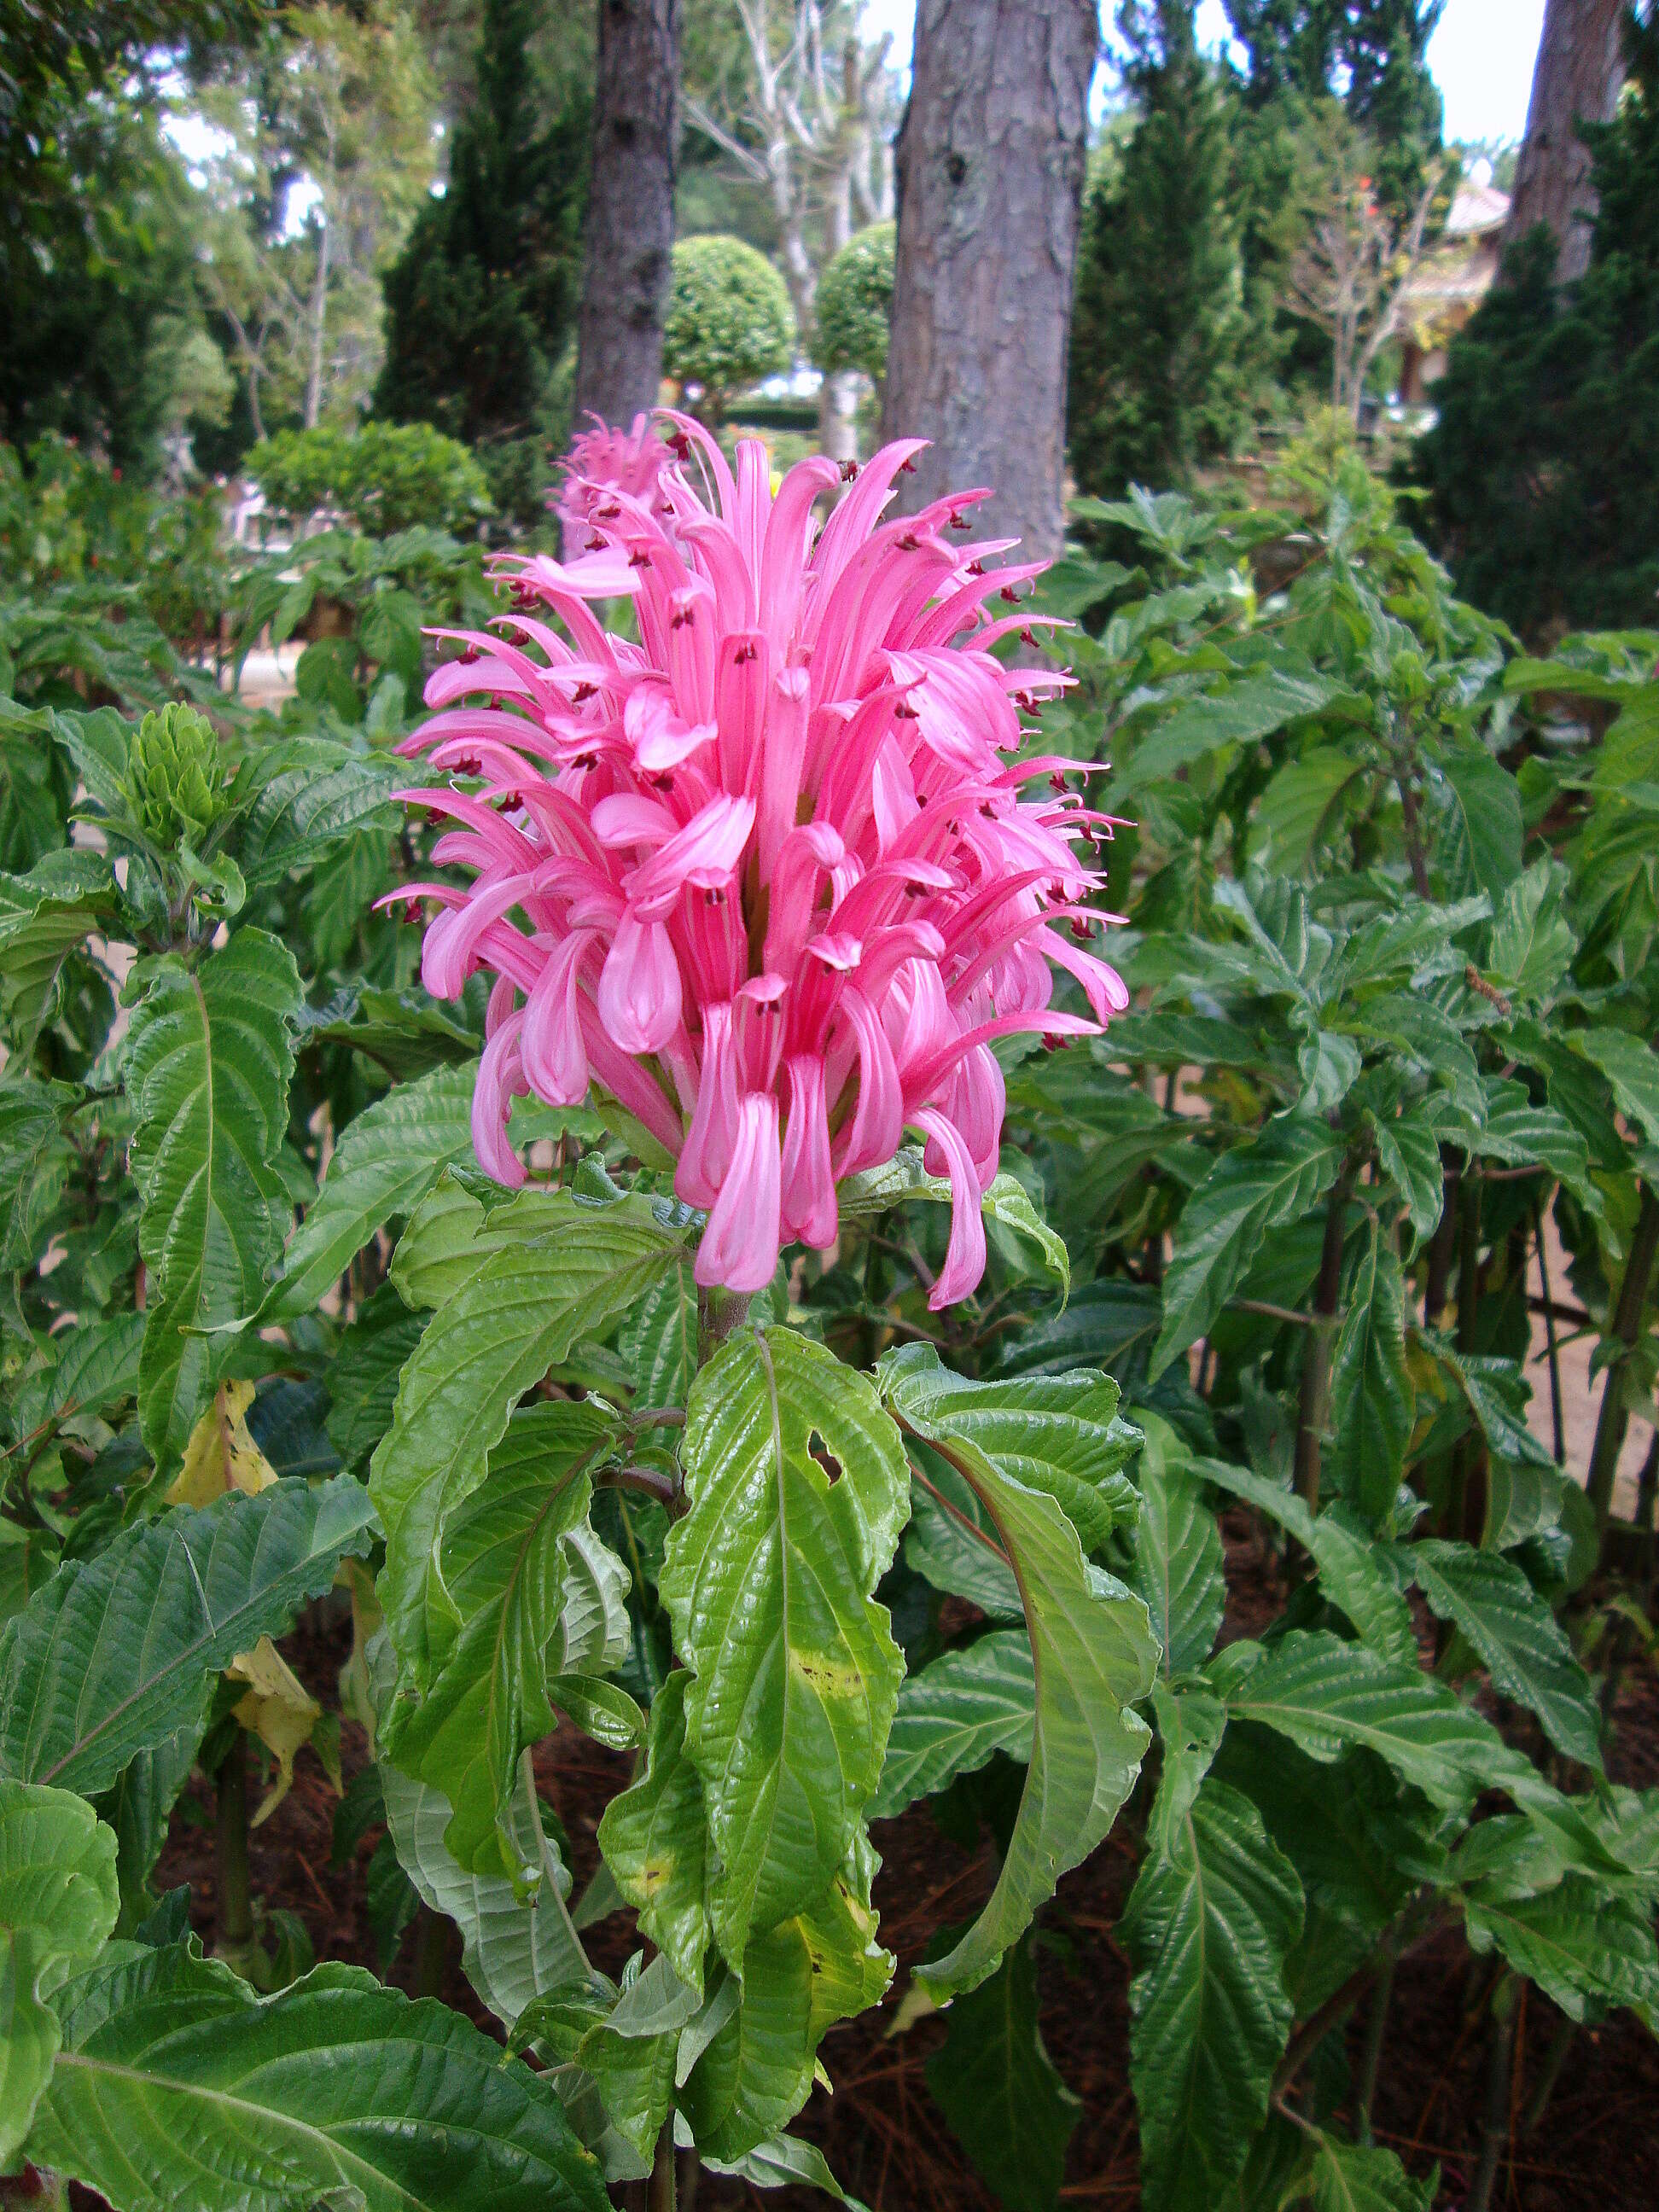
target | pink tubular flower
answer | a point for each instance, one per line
(769, 876)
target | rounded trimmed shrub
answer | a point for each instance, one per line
(385, 477)
(855, 303)
(729, 319)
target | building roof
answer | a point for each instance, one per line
(1477, 210)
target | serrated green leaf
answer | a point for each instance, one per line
(951, 1543)
(768, 1581)
(1252, 1188)
(503, 1566)
(1209, 1924)
(661, 1343)
(1361, 2178)
(1532, 942)
(1007, 1201)
(1522, 1135)
(1408, 1153)
(385, 1162)
(57, 1907)
(1095, 1655)
(995, 2083)
(1252, 708)
(1515, 1636)
(1483, 820)
(208, 1062)
(1579, 1945)
(1373, 1403)
(957, 1712)
(1632, 1069)
(303, 796)
(1177, 1568)
(335, 2088)
(1301, 807)
(786, 2163)
(362, 1375)
(655, 1839)
(34, 1160)
(120, 1652)
(578, 1266)
(44, 916)
(1350, 1571)
(96, 1368)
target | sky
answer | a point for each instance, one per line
(1481, 57)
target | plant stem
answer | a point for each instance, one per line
(1495, 2113)
(236, 1914)
(1557, 1425)
(1316, 1357)
(1554, 2059)
(661, 2197)
(1376, 2024)
(1445, 1241)
(1466, 1458)
(1614, 1418)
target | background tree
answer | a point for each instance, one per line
(729, 322)
(1575, 79)
(855, 307)
(1544, 463)
(795, 103)
(1158, 344)
(630, 208)
(481, 304)
(990, 166)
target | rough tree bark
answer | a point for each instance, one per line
(630, 210)
(1575, 78)
(990, 168)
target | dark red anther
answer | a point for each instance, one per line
(915, 890)
(680, 446)
(974, 568)
(596, 544)
(1009, 593)
(1080, 929)
(907, 468)
(665, 781)
(849, 471)
(586, 760)
(1057, 783)
(958, 519)
(744, 654)
(906, 713)
(582, 694)
(608, 513)
(909, 542)
(1026, 637)
(471, 655)
(639, 560)
(713, 895)
(679, 620)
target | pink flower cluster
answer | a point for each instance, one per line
(766, 875)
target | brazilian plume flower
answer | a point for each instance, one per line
(771, 876)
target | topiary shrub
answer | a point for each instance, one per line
(855, 304)
(729, 320)
(386, 477)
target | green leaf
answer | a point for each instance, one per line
(388, 1158)
(336, 2087)
(120, 1651)
(1212, 1915)
(1300, 809)
(57, 1907)
(997, 2085)
(1373, 1402)
(661, 1343)
(362, 1375)
(1632, 1069)
(1532, 942)
(954, 1714)
(503, 1557)
(1252, 708)
(1351, 1573)
(578, 1267)
(209, 1059)
(1094, 1654)
(303, 795)
(1408, 1153)
(1580, 1946)
(768, 1581)
(653, 1839)
(43, 917)
(1483, 818)
(1522, 1135)
(951, 1543)
(97, 1368)
(1279, 1177)
(1007, 1201)
(34, 1160)
(1328, 1696)
(786, 2163)
(1354, 2177)
(1515, 1636)
(1177, 1566)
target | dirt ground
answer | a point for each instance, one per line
(1597, 2152)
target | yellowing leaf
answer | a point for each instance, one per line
(279, 1709)
(220, 1454)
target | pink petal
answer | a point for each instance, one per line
(739, 1247)
(964, 1259)
(640, 996)
(809, 1183)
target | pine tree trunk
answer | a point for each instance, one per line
(630, 210)
(1575, 79)
(990, 167)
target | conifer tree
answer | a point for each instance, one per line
(1159, 333)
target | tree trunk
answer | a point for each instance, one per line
(990, 163)
(313, 400)
(630, 210)
(1575, 79)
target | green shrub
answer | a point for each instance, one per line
(854, 303)
(385, 477)
(729, 319)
